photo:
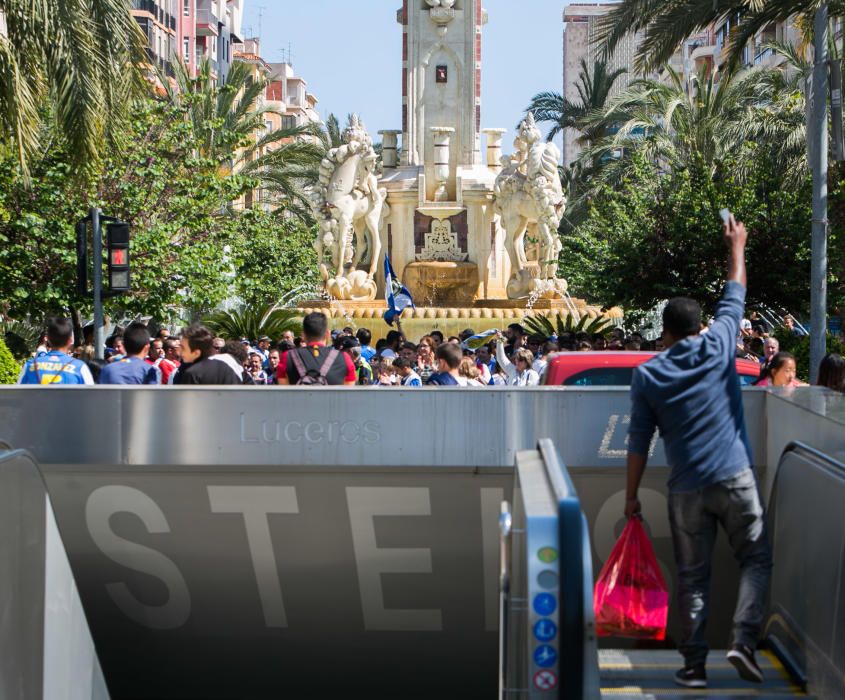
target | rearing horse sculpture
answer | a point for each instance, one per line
(351, 208)
(529, 190)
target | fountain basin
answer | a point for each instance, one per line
(442, 283)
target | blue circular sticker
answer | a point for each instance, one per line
(545, 630)
(545, 656)
(544, 604)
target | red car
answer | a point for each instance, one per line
(614, 368)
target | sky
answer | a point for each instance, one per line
(350, 54)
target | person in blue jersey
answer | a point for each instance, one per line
(405, 370)
(449, 358)
(133, 368)
(56, 366)
(691, 392)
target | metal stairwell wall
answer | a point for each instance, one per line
(45, 644)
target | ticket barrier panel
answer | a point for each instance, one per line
(547, 631)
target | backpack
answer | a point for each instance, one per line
(313, 377)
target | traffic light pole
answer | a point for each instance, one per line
(818, 152)
(97, 251)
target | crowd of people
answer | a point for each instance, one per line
(512, 357)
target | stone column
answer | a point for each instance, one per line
(389, 143)
(494, 147)
(442, 142)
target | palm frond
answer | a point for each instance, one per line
(252, 322)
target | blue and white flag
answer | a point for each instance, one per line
(397, 296)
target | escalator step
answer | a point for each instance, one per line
(649, 674)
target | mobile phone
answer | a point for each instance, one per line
(726, 216)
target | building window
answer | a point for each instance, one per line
(186, 8)
(442, 74)
(289, 122)
(186, 49)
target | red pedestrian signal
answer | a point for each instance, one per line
(117, 241)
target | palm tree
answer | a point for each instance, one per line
(223, 117)
(79, 59)
(677, 125)
(593, 90)
(333, 131)
(252, 322)
(230, 122)
(666, 24)
(287, 168)
(782, 123)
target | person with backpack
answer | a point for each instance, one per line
(315, 364)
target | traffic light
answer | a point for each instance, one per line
(117, 243)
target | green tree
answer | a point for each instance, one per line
(228, 123)
(677, 124)
(9, 367)
(593, 91)
(334, 134)
(657, 235)
(272, 258)
(190, 249)
(81, 59)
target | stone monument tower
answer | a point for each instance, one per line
(442, 234)
(455, 222)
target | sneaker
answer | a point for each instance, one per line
(742, 657)
(692, 677)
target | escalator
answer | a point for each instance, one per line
(548, 644)
(627, 674)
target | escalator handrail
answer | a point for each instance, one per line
(833, 467)
(8, 453)
(832, 464)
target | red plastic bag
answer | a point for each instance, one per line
(631, 598)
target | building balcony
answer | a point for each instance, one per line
(207, 23)
(702, 52)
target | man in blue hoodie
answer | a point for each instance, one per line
(692, 394)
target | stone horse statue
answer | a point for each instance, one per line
(528, 190)
(351, 208)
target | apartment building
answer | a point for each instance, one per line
(755, 53)
(300, 106)
(159, 22)
(190, 30)
(581, 42)
(709, 48)
(286, 96)
(216, 29)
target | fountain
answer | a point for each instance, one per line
(453, 226)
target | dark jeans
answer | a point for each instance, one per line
(736, 504)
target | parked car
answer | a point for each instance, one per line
(615, 368)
